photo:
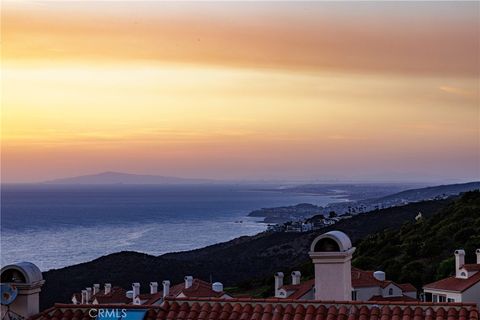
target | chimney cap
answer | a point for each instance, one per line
(30, 273)
(477, 251)
(296, 273)
(333, 241)
(279, 274)
(166, 282)
(459, 252)
(154, 283)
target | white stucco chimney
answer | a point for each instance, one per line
(478, 255)
(459, 262)
(188, 281)
(166, 288)
(153, 287)
(84, 297)
(278, 283)
(28, 280)
(96, 288)
(135, 289)
(89, 294)
(331, 254)
(108, 288)
(296, 276)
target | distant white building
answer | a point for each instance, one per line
(464, 286)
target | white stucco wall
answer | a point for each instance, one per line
(472, 294)
(396, 291)
(365, 293)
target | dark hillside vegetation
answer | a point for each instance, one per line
(418, 252)
(422, 252)
(233, 262)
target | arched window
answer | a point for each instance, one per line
(390, 292)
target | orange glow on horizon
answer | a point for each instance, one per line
(306, 90)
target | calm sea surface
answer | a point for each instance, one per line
(56, 226)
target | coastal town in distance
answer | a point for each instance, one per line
(240, 160)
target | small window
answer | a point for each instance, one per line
(434, 298)
(463, 274)
(390, 292)
(450, 300)
(442, 299)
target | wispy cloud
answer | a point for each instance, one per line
(468, 93)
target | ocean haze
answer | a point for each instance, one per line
(59, 225)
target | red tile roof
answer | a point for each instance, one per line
(407, 287)
(454, 284)
(361, 278)
(299, 289)
(198, 289)
(472, 267)
(278, 309)
(116, 295)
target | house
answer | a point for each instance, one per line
(331, 254)
(464, 286)
(108, 295)
(191, 287)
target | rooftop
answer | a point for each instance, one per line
(277, 309)
(454, 284)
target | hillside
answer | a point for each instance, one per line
(422, 252)
(418, 252)
(232, 262)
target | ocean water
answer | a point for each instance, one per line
(55, 226)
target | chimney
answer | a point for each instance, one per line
(188, 281)
(96, 288)
(331, 254)
(217, 286)
(166, 288)
(379, 275)
(153, 287)
(278, 283)
(135, 289)
(28, 280)
(89, 294)
(478, 255)
(84, 297)
(108, 288)
(296, 276)
(459, 262)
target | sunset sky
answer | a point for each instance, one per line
(241, 90)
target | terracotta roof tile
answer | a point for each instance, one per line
(454, 284)
(472, 267)
(273, 309)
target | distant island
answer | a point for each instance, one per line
(110, 177)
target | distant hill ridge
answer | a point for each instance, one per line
(110, 177)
